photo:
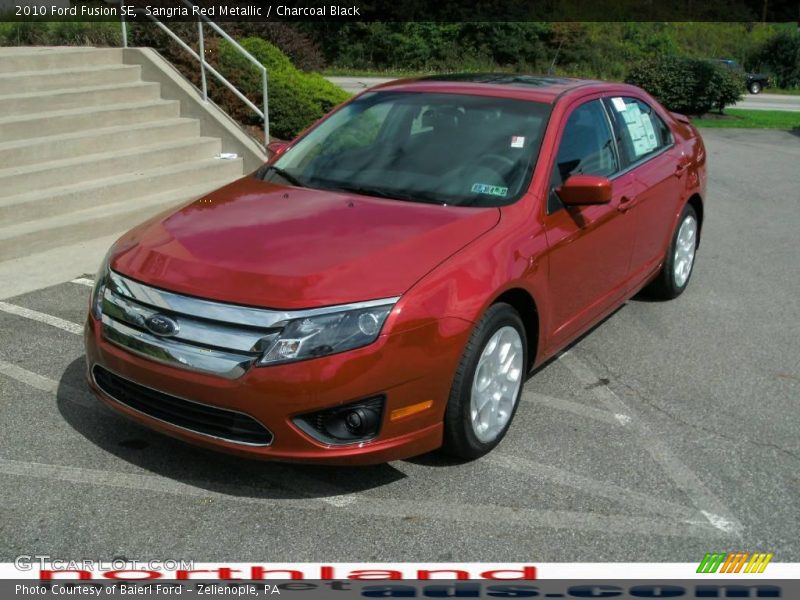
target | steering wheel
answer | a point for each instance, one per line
(502, 165)
(492, 169)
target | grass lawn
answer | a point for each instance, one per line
(795, 92)
(751, 119)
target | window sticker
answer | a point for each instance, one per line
(640, 128)
(491, 190)
(649, 130)
(517, 141)
(619, 104)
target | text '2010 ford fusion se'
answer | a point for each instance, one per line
(382, 286)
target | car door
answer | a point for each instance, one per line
(649, 153)
(589, 247)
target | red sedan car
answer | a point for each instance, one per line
(383, 285)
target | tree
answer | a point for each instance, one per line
(780, 55)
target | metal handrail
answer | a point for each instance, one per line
(205, 66)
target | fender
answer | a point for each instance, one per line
(513, 257)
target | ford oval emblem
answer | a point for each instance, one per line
(161, 325)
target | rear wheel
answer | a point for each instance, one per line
(755, 87)
(679, 263)
(487, 385)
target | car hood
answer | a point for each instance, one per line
(266, 245)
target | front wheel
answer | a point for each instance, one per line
(679, 263)
(487, 385)
(755, 87)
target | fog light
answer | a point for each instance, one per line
(356, 422)
(362, 421)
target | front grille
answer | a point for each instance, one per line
(186, 332)
(208, 337)
(201, 418)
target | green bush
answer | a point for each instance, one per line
(296, 99)
(687, 85)
(428, 46)
(267, 54)
(780, 55)
(304, 53)
(60, 33)
(727, 86)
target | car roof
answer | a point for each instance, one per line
(541, 88)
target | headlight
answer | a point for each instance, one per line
(321, 335)
(98, 291)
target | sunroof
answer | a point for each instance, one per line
(502, 79)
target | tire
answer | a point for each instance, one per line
(755, 87)
(499, 335)
(678, 266)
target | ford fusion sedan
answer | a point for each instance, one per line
(383, 285)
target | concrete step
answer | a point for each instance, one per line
(64, 99)
(88, 150)
(80, 119)
(67, 199)
(39, 81)
(44, 175)
(91, 141)
(49, 58)
(49, 232)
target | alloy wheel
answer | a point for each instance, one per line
(685, 247)
(496, 384)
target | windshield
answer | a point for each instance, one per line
(437, 148)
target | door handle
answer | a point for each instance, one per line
(626, 203)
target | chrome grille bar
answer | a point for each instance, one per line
(211, 337)
(200, 332)
(220, 311)
(170, 352)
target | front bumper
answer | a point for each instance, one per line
(409, 367)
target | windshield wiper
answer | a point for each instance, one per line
(382, 193)
(363, 190)
(287, 176)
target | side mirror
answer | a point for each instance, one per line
(276, 148)
(585, 189)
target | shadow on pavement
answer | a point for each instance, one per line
(200, 468)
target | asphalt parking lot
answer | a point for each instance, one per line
(670, 430)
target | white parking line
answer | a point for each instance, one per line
(119, 479)
(45, 384)
(83, 281)
(35, 315)
(593, 487)
(622, 419)
(515, 518)
(575, 408)
(84, 399)
(708, 504)
(340, 501)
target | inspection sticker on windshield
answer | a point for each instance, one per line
(517, 141)
(492, 190)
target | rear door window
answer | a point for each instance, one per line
(642, 132)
